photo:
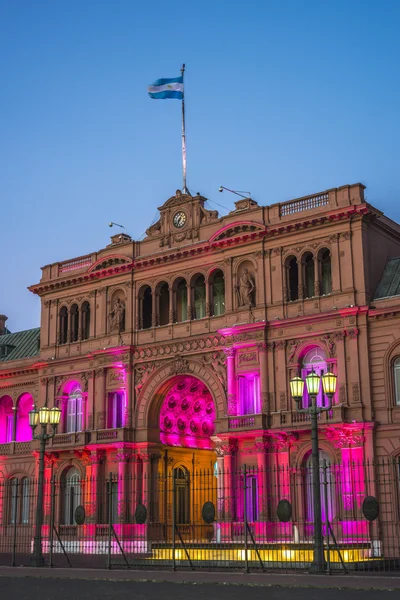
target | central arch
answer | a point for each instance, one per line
(187, 415)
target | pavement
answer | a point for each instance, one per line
(220, 579)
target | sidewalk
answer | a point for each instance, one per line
(363, 581)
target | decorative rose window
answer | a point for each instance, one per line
(187, 414)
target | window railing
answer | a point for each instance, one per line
(295, 206)
(75, 264)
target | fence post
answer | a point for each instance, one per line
(173, 519)
(52, 510)
(326, 505)
(14, 517)
(245, 518)
(109, 504)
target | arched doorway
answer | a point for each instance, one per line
(182, 479)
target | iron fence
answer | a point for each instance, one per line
(169, 516)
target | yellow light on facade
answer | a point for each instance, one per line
(44, 415)
(33, 417)
(297, 388)
(313, 382)
(55, 415)
(329, 383)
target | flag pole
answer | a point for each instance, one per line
(183, 135)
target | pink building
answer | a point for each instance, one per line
(173, 355)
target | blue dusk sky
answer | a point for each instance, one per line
(284, 99)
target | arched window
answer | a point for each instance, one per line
(292, 279)
(218, 293)
(146, 308)
(199, 293)
(74, 323)
(314, 360)
(74, 413)
(6, 420)
(396, 373)
(182, 496)
(308, 275)
(326, 275)
(85, 320)
(181, 301)
(327, 491)
(163, 305)
(63, 325)
(70, 495)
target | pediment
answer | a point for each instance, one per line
(238, 228)
(109, 261)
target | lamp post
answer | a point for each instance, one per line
(313, 382)
(43, 417)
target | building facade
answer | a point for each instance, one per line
(173, 355)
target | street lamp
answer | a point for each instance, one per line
(43, 416)
(313, 383)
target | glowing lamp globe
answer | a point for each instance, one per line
(33, 417)
(55, 416)
(297, 388)
(313, 382)
(44, 415)
(329, 383)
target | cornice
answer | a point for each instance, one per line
(201, 249)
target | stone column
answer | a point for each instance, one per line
(341, 369)
(90, 400)
(229, 289)
(49, 462)
(122, 458)
(146, 476)
(189, 302)
(263, 365)
(301, 282)
(100, 398)
(128, 413)
(262, 482)
(231, 381)
(281, 383)
(155, 308)
(354, 371)
(208, 296)
(171, 305)
(93, 497)
(101, 311)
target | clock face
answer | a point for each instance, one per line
(179, 219)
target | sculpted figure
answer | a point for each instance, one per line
(117, 315)
(245, 289)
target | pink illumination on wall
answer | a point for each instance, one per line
(187, 414)
(6, 419)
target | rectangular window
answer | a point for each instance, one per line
(74, 414)
(115, 410)
(9, 428)
(249, 394)
(397, 382)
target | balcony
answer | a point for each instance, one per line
(65, 440)
(242, 423)
(15, 448)
(105, 436)
(303, 420)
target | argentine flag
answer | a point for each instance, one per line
(167, 88)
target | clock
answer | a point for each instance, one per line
(179, 219)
